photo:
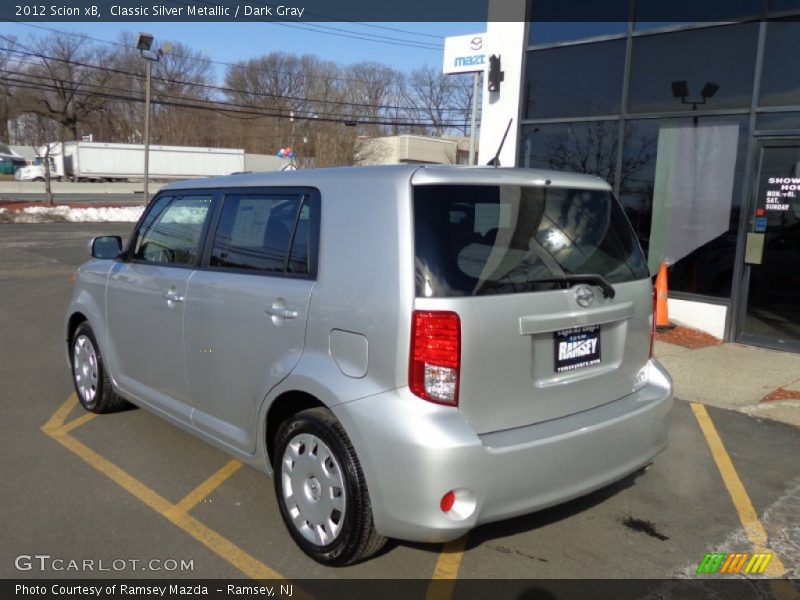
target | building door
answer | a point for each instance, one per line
(770, 312)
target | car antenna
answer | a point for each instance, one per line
(495, 162)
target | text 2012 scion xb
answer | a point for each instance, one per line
(410, 351)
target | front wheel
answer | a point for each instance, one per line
(89, 376)
(321, 490)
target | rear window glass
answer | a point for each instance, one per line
(482, 240)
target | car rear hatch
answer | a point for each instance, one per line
(551, 289)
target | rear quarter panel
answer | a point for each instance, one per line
(365, 286)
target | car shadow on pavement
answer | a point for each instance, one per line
(525, 523)
(554, 514)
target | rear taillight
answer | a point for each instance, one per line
(653, 322)
(435, 360)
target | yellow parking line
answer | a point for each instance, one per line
(446, 572)
(58, 418)
(203, 490)
(225, 549)
(174, 513)
(132, 485)
(74, 424)
(753, 528)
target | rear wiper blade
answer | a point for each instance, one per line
(598, 280)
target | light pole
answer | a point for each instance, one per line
(144, 44)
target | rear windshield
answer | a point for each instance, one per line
(481, 240)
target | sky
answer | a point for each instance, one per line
(231, 42)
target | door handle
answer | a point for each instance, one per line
(282, 312)
(172, 296)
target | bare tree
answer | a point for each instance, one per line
(181, 77)
(370, 88)
(430, 89)
(65, 88)
(41, 129)
(461, 99)
(8, 108)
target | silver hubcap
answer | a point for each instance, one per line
(84, 368)
(313, 489)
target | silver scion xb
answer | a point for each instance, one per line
(411, 350)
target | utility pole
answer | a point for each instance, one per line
(476, 76)
(144, 43)
(147, 134)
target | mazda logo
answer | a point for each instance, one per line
(476, 43)
(584, 296)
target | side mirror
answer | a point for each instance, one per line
(106, 247)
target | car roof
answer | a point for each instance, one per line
(412, 173)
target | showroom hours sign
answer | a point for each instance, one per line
(780, 192)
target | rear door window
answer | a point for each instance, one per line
(501, 239)
(263, 233)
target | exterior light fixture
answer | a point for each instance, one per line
(680, 89)
(144, 41)
(495, 74)
(709, 89)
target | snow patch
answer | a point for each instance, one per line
(63, 214)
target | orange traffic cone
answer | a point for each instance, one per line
(662, 289)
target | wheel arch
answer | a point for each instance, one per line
(75, 319)
(284, 407)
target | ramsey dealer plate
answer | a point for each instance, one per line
(576, 348)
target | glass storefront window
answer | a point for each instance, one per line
(783, 6)
(780, 85)
(582, 80)
(647, 25)
(567, 31)
(778, 121)
(681, 187)
(583, 147)
(553, 21)
(648, 11)
(723, 56)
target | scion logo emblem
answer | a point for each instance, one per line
(584, 296)
(476, 43)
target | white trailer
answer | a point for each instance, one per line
(101, 161)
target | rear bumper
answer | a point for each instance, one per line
(413, 452)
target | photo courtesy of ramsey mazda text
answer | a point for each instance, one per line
(411, 351)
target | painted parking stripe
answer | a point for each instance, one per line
(753, 528)
(57, 420)
(75, 423)
(221, 546)
(446, 572)
(202, 491)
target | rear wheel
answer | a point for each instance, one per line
(89, 376)
(321, 490)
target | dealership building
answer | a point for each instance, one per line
(696, 125)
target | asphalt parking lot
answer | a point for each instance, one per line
(131, 487)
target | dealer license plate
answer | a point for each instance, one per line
(576, 348)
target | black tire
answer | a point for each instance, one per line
(101, 397)
(356, 539)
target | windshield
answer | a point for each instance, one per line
(501, 239)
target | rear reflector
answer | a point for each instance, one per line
(435, 359)
(448, 500)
